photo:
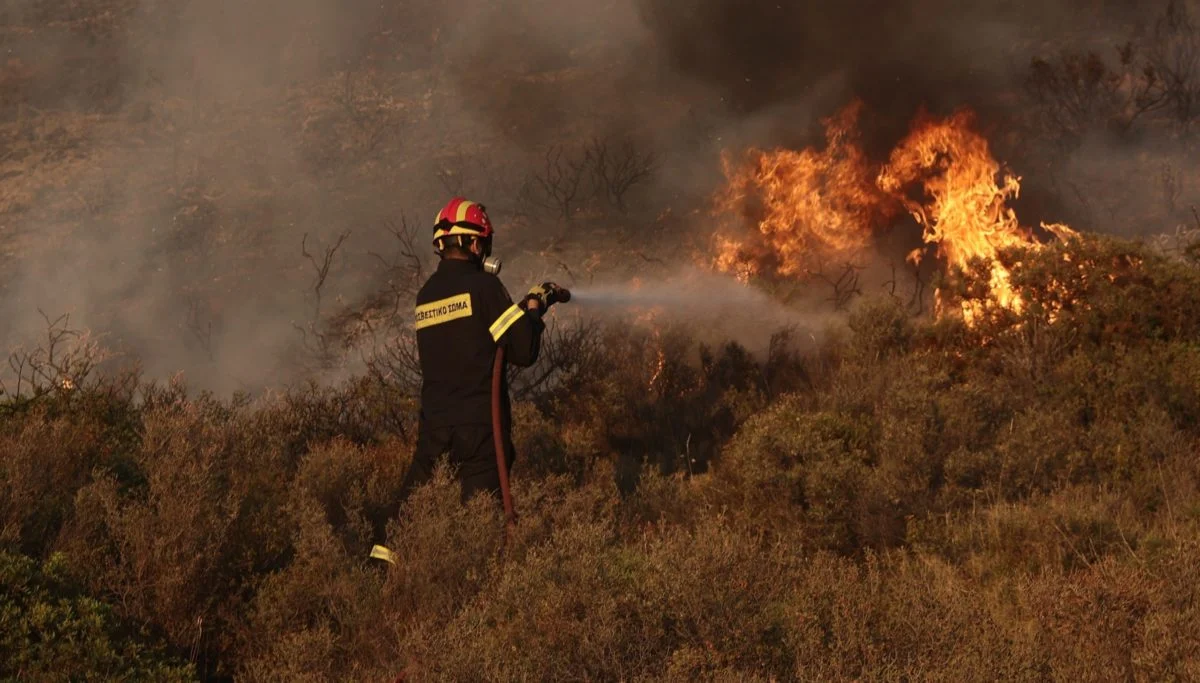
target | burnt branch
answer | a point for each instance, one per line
(380, 326)
(393, 366)
(65, 360)
(200, 329)
(560, 186)
(1173, 56)
(452, 179)
(617, 169)
(1155, 74)
(845, 285)
(567, 353)
(1077, 92)
(890, 285)
(318, 342)
(401, 274)
(918, 297)
(321, 268)
(1171, 186)
(405, 268)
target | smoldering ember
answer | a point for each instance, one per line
(629, 341)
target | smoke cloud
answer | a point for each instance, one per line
(161, 163)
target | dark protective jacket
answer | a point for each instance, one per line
(462, 315)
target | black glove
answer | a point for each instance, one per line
(546, 294)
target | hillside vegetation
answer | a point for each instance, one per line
(238, 192)
(1013, 500)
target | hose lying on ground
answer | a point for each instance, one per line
(498, 436)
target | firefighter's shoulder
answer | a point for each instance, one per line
(488, 286)
(425, 294)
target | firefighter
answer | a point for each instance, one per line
(463, 313)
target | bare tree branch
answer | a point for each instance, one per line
(615, 172)
(559, 185)
(845, 285)
(322, 268)
(64, 362)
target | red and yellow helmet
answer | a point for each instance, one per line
(461, 217)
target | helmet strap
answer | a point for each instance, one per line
(464, 242)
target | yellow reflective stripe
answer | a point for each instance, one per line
(379, 552)
(444, 310)
(505, 321)
(462, 211)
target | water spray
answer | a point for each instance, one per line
(720, 306)
(699, 295)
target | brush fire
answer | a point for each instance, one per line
(811, 207)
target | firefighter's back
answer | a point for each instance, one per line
(455, 309)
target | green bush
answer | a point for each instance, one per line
(51, 631)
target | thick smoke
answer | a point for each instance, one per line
(162, 161)
(180, 179)
(778, 67)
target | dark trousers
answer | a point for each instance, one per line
(472, 456)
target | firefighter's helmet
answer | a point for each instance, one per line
(461, 218)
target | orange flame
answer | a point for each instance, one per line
(965, 209)
(815, 206)
(809, 207)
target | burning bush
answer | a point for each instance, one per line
(807, 210)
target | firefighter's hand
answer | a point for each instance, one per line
(546, 295)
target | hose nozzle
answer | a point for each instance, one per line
(563, 295)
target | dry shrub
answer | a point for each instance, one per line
(902, 617)
(545, 448)
(790, 466)
(1069, 530)
(1119, 620)
(544, 505)
(595, 600)
(446, 550)
(354, 486)
(43, 462)
(929, 502)
(590, 603)
(896, 618)
(307, 415)
(317, 619)
(201, 517)
(881, 327)
(674, 499)
(656, 398)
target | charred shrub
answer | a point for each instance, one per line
(654, 397)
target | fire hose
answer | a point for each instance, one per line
(498, 436)
(561, 295)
